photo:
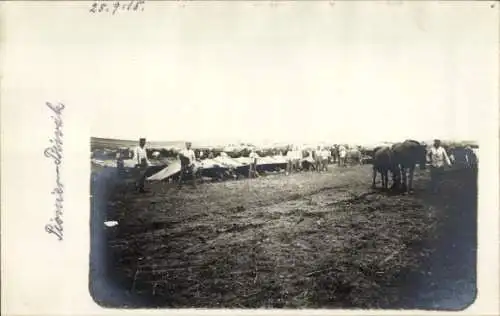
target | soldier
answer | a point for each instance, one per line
(142, 164)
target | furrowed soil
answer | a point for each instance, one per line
(307, 240)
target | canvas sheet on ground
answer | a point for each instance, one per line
(400, 225)
(217, 163)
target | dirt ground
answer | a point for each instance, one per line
(306, 240)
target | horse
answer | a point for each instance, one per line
(406, 155)
(383, 163)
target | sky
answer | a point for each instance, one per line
(301, 72)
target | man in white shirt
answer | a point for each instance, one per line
(189, 154)
(325, 159)
(140, 154)
(438, 158)
(342, 155)
(188, 158)
(142, 164)
(252, 171)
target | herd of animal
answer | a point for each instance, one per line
(401, 159)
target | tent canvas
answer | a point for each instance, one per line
(209, 163)
(228, 162)
(168, 171)
(175, 167)
(244, 160)
(266, 161)
(280, 159)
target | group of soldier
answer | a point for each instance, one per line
(317, 159)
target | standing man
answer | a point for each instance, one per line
(438, 158)
(142, 164)
(188, 159)
(325, 159)
(342, 155)
(291, 156)
(120, 166)
(252, 171)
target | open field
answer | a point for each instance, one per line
(307, 240)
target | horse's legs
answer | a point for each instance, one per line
(410, 184)
(375, 176)
(385, 178)
(395, 177)
(404, 177)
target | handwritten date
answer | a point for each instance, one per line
(105, 6)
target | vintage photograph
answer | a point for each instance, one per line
(290, 160)
(387, 225)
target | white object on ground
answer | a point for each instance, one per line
(111, 223)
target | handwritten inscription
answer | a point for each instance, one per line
(113, 7)
(55, 152)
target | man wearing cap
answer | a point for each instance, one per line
(438, 157)
(142, 164)
(252, 170)
(188, 159)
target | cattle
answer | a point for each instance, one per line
(405, 156)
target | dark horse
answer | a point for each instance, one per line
(383, 162)
(405, 156)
